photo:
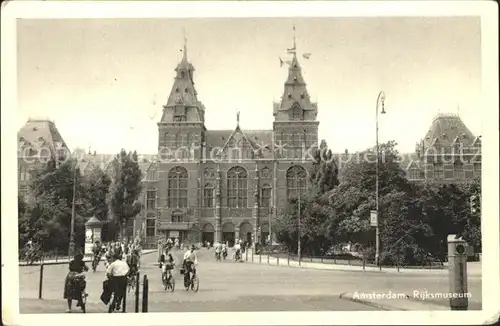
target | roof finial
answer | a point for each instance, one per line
(294, 43)
(238, 118)
(185, 43)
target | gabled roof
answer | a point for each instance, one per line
(234, 133)
(477, 141)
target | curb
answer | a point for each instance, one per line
(348, 297)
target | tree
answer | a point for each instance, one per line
(125, 189)
(314, 207)
(46, 217)
(97, 185)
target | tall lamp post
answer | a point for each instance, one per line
(298, 242)
(71, 249)
(380, 101)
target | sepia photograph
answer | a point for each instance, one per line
(272, 163)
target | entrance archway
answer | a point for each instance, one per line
(246, 231)
(228, 233)
(208, 233)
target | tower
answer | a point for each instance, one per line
(295, 126)
(182, 126)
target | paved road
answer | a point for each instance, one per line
(230, 286)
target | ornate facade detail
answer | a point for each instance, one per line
(266, 173)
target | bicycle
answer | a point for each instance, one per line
(217, 256)
(95, 262)
(193, 282)
(131, 278)
(79, 282)
(168, 280)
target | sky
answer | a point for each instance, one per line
(104, 81)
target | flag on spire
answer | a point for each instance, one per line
(281, 62)
(306, 55)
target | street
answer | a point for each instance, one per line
(230, 286)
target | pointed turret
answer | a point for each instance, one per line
(295, 103)
(182, 104)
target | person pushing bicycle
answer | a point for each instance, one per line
(189, 263)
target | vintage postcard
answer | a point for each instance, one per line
(237, 163)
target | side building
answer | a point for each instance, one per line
(38, 141)
(449, 153)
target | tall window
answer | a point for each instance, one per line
(295, 181)
(237, 187)
(177, 187)
(438, 171)
(414, 174)
(151, 200)
(151, 175)
(208, 196)
(150, 227)
(458, 170)
(177, 217)
(265, 196)
(477, 168)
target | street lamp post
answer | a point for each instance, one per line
(298, 242)
(71, 249)
(380, 100)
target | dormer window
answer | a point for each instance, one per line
(177, 90)
(289, 95)
(302, 96)
(183, 74)
(186, 90)
(295, 78)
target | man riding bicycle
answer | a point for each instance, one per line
(133, 262)
(189, 263)
(117, 274)
(218, 251)
(167, 264)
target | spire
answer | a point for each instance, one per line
(295, 96)
(183, 92)
(184, 49)
(238, 119)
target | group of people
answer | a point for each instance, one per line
(122, 262)
(189, 262)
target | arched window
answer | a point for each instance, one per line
(177, 217)
(208, 196)
(265, 195)
(237, 187)
(295, 181)
(177, 187)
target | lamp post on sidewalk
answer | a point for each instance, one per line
(380, 100)
(71, 248)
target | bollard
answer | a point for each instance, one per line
(322, 259)
(364, 263)
(457, 272)
(145, 289)
(288, 259)
(380, 266)
(246, 255)
(260, 257)
(124, 301)
(349, 261)
(278, 260)
(397, 262)
(137, 292)
(252, 255)
(268, 258)
(41, 282)
(311, 259)
(57, 254)
(334, 260)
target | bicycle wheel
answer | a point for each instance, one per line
(172, 283)
(164, 281)
(195, 284)
(84, 301)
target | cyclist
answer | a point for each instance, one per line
(218, 250)
(75, 281)
(117, 274)
(167, 264)
(189, 263)
(237, 254)
(133, 262)
(224, 250)
(97, 251)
